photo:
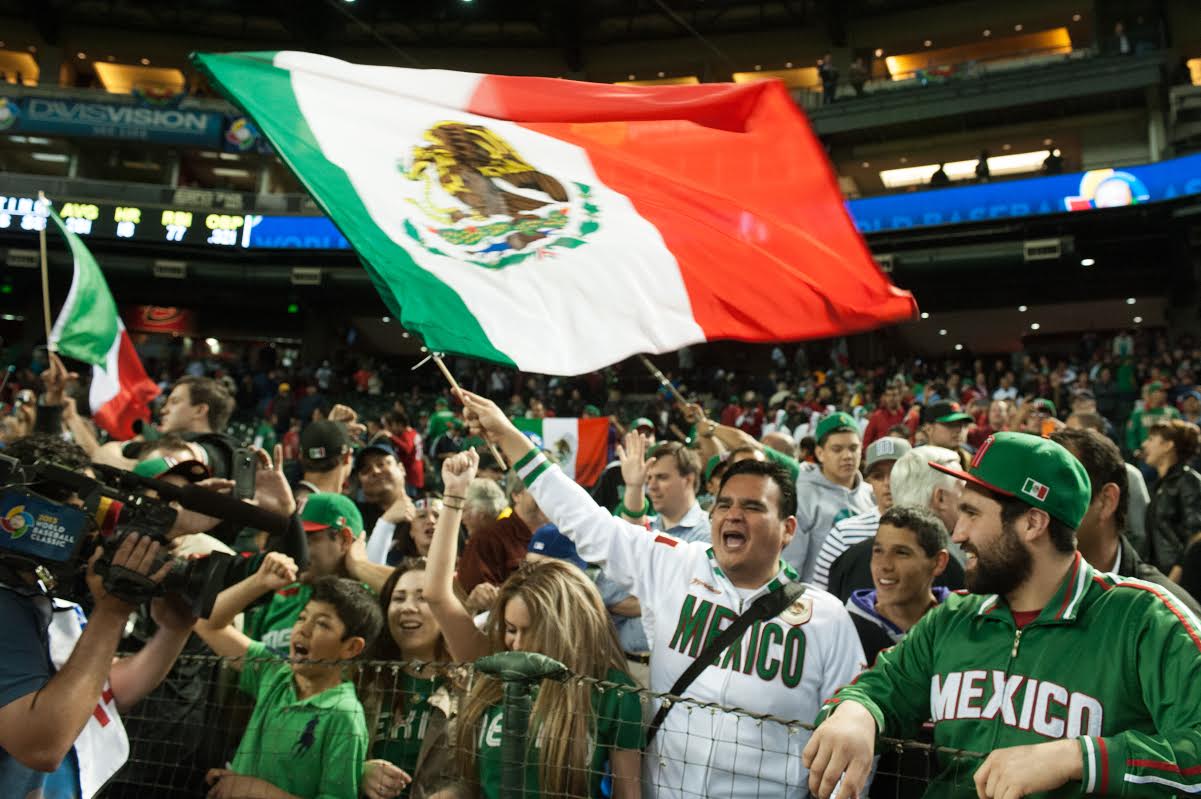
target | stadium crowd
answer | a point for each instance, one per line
(424, 548)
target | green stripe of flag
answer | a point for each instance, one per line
(87, 323)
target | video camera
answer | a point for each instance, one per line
(41, 532)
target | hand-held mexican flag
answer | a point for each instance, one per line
(561, 226)
(579, 445)
(89, 330)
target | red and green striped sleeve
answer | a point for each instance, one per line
(1166, 762)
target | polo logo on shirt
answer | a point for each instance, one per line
(1035, 489)
(308, 737)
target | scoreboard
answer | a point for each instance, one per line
(170, 226)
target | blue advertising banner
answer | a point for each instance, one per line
(293, 233)
(1057, 194)
(61, 117)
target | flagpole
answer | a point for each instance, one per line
(663, 381)
(45, 268)
(455, 387)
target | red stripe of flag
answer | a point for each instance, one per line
(132, 400)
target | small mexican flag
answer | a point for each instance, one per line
(88, 329)
(580, 445)
(562, 226)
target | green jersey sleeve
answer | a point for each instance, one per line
(619, 713)
(1167, 662)
(791, 464)
(896, 690)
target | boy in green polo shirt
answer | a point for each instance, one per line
(333, 523)
(308, 735)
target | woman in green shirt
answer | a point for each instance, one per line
(410, 710)
(580, 733)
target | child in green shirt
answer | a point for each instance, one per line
(307, 737)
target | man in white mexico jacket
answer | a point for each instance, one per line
(689, 592)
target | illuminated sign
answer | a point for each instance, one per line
(112, 120)
(1054, 194)
(1080, 192)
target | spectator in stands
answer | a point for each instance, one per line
(1101, 536)
(307, 735)
(909, 550)
(888, 415)
(994, 422)
(946, 425)
(406, 441)
(448, 442)
(440, 420)
(914, 487)
(550, 608)
(332, 523)
(382, 481)
(668, 473)
(753, 519)
(828, 492)
(939, 178)
(857, 75)
(1007, 388)
(1174, 515)
(829, 78)
(983, 173)
(483, 504)
(497, 549)
(60, 728)
(1120, 42)
(1135, 494)
(877, 471)
(1190, 406)
(1027, 576)
(326, 458)
(411, 746)
(1155, 410)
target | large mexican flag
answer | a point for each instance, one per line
(580, 445)
(88, 329)
(561, 226)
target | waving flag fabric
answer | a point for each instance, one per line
(561, 226)
(89, 330)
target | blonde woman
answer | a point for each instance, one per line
(581, 735)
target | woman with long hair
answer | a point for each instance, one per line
(412, 709)
(580, 732)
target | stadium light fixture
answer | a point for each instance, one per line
(998, 165)
(879, 52)
(1087, 261)
(958, 347)
(1130, 300)
(928, 43)
(1075, 18)
(1138, 320)
(925, 315)
(987, 33)
(145, 62)
(386, 319)
(942, 332)
(81, 55)
(1021, 309)
(1018, 27)
(1035, 325)
(53, 158)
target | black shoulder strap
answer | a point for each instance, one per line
(767, 606)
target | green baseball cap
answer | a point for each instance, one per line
(192, 470)
(1035, 470)
(711, 465)
(324, 510)
(835, 423)
(642, 421)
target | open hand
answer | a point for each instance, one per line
(271, 489)
(55, 379)
(1018, 771)
(632, 455)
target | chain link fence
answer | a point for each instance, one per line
(509, 725)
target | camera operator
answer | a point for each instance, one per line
(61, 692)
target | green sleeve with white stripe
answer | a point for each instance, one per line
(896, 690)
(1167, 659)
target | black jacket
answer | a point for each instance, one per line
(1173, 517)
(1131, 565)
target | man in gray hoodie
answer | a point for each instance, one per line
(829, 491)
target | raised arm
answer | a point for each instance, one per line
(632, 454)
(627, 551)
(218, 631)
(463, 638)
